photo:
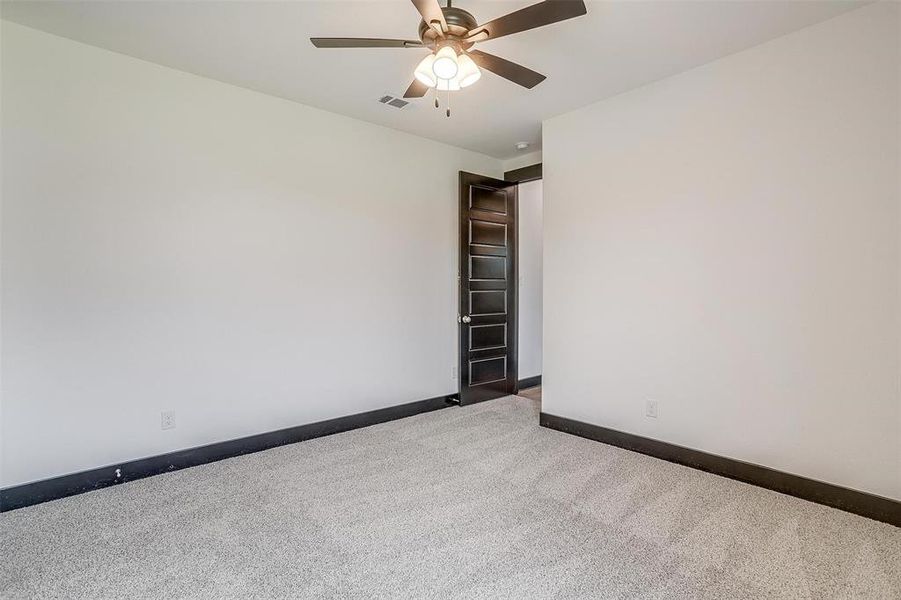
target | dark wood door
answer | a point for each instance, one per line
(488, 279)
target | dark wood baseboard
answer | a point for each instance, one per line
(85, 481)
(529, 382)
(857, 502)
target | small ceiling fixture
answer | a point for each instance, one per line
(450, 33)
(522, 146)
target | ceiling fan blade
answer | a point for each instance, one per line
(431, 14)
(519, 74)
(417, 89)
(330, 42)
(537, 15)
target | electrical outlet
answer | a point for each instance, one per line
(167, 419)
(650, 409)
(454, 372)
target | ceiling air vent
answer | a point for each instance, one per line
(392, 101)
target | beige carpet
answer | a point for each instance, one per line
(475, 502)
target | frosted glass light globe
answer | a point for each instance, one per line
(445, 65)
(468, 72)
(424, 73)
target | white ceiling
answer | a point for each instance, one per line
(264, 46)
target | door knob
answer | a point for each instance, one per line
(466, 319)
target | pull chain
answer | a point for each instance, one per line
(448, 99)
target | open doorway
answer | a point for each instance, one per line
(530, 281)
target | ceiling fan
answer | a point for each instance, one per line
(451, 32)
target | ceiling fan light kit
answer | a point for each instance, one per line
(451, 32)
(447, 71)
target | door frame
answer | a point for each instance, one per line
(525, 174)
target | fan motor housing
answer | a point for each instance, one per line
(459, 23)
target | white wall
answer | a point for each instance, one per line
(530, 228)
(726, 242)
(174, 243)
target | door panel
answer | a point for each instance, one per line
(488, 267)
(486, 233)
(487, 288)
(487, 370)
(487, 303)
(488, 198)
(484, 337)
